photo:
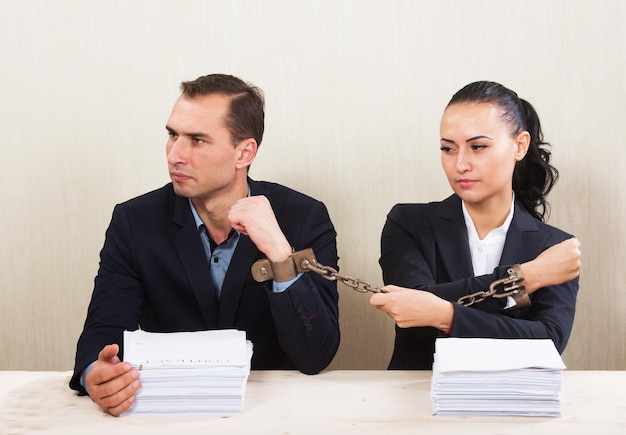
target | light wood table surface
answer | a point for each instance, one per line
(333, 402)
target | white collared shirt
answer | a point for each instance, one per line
(486, 253)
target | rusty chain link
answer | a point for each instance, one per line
(331, 274)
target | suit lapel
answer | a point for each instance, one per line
(193, 259)
(244, 256)
(451, 236)
(522, 241)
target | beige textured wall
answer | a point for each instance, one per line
(355, 89)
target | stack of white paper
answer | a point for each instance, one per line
(480, 376)
(189, 372)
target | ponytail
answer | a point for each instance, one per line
(534, 176)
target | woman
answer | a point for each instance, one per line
(498, 165)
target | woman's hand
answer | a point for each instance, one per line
(557, 264)
(409, 307)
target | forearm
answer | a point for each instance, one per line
(550, 316)
(306, 315)
(306, 320)
(116, 300)
(452, 291)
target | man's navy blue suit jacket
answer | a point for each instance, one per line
(154, 274)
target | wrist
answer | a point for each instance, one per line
(532, 277)
(281, 252)
(446, 317)
(83, 377)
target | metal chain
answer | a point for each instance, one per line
(474, 298)
(500, 288)
(331, 274)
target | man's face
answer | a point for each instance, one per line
(201, 157)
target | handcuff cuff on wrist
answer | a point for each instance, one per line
(265, 270)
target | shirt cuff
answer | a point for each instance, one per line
(279, 287)
(510, 302)
(84, 374)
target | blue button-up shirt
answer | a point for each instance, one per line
(219, 256)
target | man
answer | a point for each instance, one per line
(179, 258)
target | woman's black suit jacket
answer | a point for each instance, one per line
(425, 246)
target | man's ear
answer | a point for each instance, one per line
(522, 142)
(246, 152)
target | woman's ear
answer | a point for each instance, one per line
(522, 142)
(246, 152)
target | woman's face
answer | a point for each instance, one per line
(479, 152)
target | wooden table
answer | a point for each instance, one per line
(288, 402)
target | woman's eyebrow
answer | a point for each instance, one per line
(478, 137)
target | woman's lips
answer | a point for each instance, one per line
(465, 183)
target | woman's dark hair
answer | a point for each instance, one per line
(533, 176)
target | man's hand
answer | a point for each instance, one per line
(408, 307)
(556, 265)
(254, 217)
(111, 383)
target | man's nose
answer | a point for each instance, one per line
(175, 150)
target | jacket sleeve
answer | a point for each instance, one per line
(116, 300)
(551, 315)
(306, 314)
